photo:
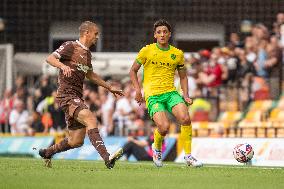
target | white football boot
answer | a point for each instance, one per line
(157, 156)
(191, 161)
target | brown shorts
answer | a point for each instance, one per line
(71, 106)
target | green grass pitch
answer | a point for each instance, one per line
(25, 173)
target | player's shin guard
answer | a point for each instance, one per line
(158, 140)
(186, 137)
(56, 148)
(98, 143)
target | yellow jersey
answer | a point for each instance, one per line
(159, 68)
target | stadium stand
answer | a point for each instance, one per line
(244, 103)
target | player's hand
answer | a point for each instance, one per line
(67, 71)
(139, 98)
(188, 100)
(116, 92)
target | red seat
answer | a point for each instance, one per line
(261, 94)
(200, 115)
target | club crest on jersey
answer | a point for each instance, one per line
(82, 67)
(173, 56)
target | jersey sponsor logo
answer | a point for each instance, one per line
(162, 63)
(82, 67)
(173, 56)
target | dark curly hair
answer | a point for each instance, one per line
(162, 22)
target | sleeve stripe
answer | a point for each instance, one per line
(138, 61)
(57, 54)
(180, 66)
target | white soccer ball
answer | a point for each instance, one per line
(243, 153)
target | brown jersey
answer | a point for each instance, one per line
(77, 57)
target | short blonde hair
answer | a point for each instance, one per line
(86, 26)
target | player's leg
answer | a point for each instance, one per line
(157, 112)
(75, 139)
(87, 118)
(180, 111)
(163, 125)
(162, 122)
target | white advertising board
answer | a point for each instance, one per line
(267, 151)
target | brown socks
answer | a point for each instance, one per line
(98, 143)
(60, 147)
(95, 139)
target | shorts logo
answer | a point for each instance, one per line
(156, 106)
(77, 100)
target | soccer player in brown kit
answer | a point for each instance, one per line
(73, 58)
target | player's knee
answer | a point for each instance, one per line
(185, 119)
(164, 128)
(79, 144)
(87, 118)
(76, 144)
(91, 122)
(164, 132)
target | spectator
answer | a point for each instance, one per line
(192, 86)
(235, 41)
(260, 32)
(245, 72)
(140, 149)
(245, 67)
(20, 84)
(230, 65)
(45, 87)
(250, 48)
(124, 106)
(57, 116)
(274, 68)
(19, 119)
(107, 109)
(6, 105)
(280, 18)
(36, 124)
(259, 64)
(135, 126)
(37, 98)
(95, 105)
(212, 73)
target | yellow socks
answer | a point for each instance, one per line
(158, 140)
(186, 133)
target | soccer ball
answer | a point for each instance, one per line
(243, 153)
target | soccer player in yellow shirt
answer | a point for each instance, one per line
(160, 60)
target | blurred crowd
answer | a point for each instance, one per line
(249, 64)
(29, 110)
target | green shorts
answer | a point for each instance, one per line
(163, 102)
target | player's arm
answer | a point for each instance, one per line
(64, 51)
(95, 78)
(184, 84)
(54, 61)
(134, 79)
